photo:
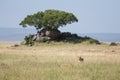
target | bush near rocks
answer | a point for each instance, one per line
(113, 44)
(62, 37)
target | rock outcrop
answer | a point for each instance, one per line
(53, 34)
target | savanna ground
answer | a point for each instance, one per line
(59, 61)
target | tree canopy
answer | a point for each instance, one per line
(49, 19)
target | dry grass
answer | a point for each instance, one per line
(59, 61)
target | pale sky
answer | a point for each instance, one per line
(95, 16)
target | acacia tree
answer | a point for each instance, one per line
(49, 19)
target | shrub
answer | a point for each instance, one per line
(91, 40)
(28, 40)
(64, 37)
(45, 39)
(71, 38)
(113, 44)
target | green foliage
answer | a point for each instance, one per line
(64, 37)
(45, 39)
(68, 37)
(91, 40)
(74, 38)
(49, 19)
(28, 40)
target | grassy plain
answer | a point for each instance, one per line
(59, 61)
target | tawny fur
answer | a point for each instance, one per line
(81, 59)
